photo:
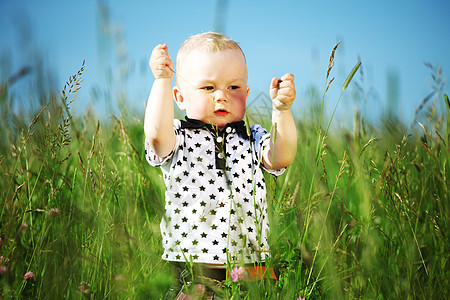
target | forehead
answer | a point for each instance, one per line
(203, 58)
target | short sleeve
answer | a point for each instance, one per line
(157, 161)
(261, 139)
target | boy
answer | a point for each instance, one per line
(212, 165)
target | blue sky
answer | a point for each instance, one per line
(390, 37)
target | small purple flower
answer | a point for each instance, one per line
(238, 274)
(29, 275)
(23, 227)
(84, 288)
(53, 211)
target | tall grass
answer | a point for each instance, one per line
(357, 215)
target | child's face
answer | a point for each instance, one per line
(213, 86)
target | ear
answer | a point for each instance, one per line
(179, 99)
(248, 92)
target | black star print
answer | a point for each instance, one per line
(212, 196)
(185, 189)
(177, 210)
(195, 242)
(213, 227)
(200, 173)
(176, 226)
(234, 147)
(233, 228)
(220, 173)
(204, 250)
(216, 257)
(197, 145)
(209, 152)
(184, 220)
(235, 161)
(215, 243)
(224, 235)
(223, 220)
(204, 235)
(221, 189)
(184, 234)
(195, 257)
(249, 213)
(177, 195)
(250, 229)
(203, 203)
(202, 188)
(186, 173)
(190, 149)
(178, 179)
(236, 175)
(185, 204)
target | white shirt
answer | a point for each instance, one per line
(215, 201)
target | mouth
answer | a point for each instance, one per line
(221, 112)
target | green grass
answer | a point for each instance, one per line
(360, 214)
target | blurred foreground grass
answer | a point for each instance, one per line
(364, 215)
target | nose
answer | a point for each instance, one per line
(220, 96)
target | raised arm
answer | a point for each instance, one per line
(283, 141)
(159, 114)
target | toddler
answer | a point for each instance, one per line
(212, 163)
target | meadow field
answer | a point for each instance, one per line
(362, 213)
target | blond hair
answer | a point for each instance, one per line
(209, 41)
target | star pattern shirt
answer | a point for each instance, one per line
(215, 199)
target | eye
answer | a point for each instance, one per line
(234, 87)
(208, 88)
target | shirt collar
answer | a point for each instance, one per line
(239, 126)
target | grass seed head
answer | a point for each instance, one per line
(331, 63)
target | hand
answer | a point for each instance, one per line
(160, 62)
(282, 92)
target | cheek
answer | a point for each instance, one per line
(241, 101)
(201, 105)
